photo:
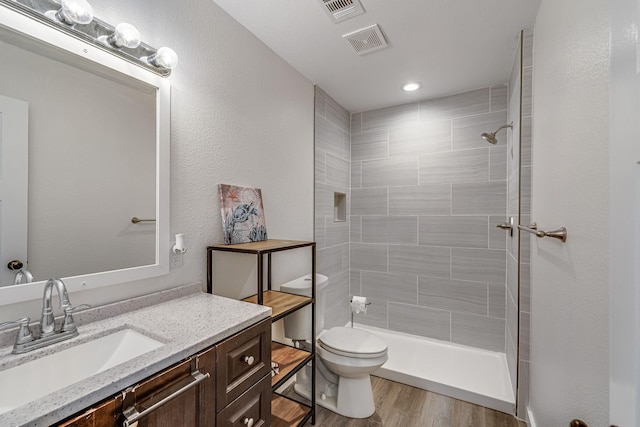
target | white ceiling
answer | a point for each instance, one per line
(449, 45)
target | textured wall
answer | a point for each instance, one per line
(239, 115)
(426, 194)
(570, 281)
(332, 175)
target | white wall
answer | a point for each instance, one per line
(625, 214)
(570, 184)
(240, 115)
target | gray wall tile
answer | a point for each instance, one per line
(497, 301)
(320, 167)
(370, 145)
(354, 282)
(320, 98)
(320, 232)
(478, 331)
(498, 164)
(355, 228)
(427, 138)
(527, 90)
(467, 130)
(368, 257)
(525, 287)
(390, 172)
(329, 261)
(479, 198)
(423, 321)
(527, 47)
(512, 322)
(337, 233)
(525, 334)
(456, 166)
(401, 115)
(337, 115)
(390, 229)
(497, 236)
(453, 295)
(390, 287)
(525, 189)
(338, 171)
(422, 260)
(512, 366)
(483, 265)
(376, 314)
(330, 138)
(452, 231)
(356, 123)
(523, 389)
(460, 105)
(323, 200)
(337, 301)
(369, 201)
(525, 142)
(499, 95)
(434, 199)
(356, 174)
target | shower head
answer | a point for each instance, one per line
(491, 137)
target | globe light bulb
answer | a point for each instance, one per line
(164, 58)
(125, 35)
(75, 12)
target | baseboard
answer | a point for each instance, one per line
(531, 422)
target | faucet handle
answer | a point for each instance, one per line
(24, 333)
(68, 324)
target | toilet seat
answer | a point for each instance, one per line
(350, 342)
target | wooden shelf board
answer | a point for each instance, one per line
(281, 303)
(286, 413)
(265, 246)
(289, 358)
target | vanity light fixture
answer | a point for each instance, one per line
(411, 86)
(75, 18)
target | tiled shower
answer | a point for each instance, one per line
(424, 194)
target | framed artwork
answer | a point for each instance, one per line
(242, 214)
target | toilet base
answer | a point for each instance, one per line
(356, 401)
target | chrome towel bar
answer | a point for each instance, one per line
(560, 233)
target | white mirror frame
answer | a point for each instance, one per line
(28, 27)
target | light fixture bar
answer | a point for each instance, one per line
(88, 33)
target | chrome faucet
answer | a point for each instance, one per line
(25, 341)
(23, 276)
(47, 321)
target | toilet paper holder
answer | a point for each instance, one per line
(351, 311)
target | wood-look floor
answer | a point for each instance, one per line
(400, 405)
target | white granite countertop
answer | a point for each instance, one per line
(185, 325)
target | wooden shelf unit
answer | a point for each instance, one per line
(285, 411)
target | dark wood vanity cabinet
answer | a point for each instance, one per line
(237, 391)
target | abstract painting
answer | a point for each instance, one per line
(242, 214)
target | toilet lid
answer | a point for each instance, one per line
(350, 340)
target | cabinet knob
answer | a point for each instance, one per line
(249, 361)
(248, 422)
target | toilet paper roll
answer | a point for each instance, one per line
(359, 305)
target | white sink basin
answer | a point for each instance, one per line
(32, 380)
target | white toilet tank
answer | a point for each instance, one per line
(297, 326)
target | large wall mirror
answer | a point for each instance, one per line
(84, 143)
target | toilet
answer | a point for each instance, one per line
(345, 357)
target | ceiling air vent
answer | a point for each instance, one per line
(366, 40)
(339, 10)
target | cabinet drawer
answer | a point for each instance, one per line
(242, 360)
(251, 408)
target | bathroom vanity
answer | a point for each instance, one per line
(215, 350)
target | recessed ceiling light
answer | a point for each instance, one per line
(411, 86)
